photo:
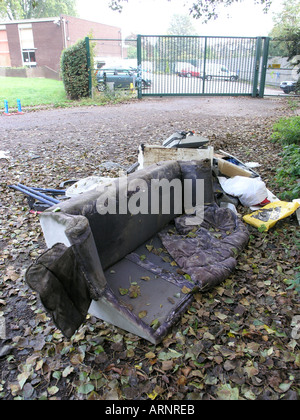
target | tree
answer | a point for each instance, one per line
(285, 33)
(288, 20)
(181, 25)
(28, 9)
(293, 49)
(131, 45)
(200, 9)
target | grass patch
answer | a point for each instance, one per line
(31, 91)
(35, 92)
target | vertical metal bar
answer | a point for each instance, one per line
(204, 65)
(239, 66)
(171, 81)
(197, 63)
(192, 84)
(174, 64)
(256, 66)
(88, 59)
(264, 67)
(220, 81)
(163, 69)
(233, 48)
(175, 68)
(187, 85)
(161, 62)
(139, 63)
(169, 54)
(250, 63)
(155, 75)
(223, 48)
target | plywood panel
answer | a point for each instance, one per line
(4, 50)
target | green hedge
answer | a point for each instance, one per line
(74, 70)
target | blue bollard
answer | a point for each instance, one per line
(19, 106)
(6, 106)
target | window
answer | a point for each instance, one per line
(27, 44)
(28, 57)
(224, 69)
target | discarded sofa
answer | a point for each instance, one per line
(137, 270)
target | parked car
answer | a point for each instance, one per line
(188, 70)
(288, 86)
(218, 71)
(146, 81)
(122, 78)
(211, 72)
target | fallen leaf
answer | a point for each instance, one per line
(77, 358)
(226, 392)
(142, 314)
(22, 378)
(181, 381)
(167, 365)
(251, 371)
(85, 388)
(152, 395)
(221, 316)
(123, 291)
(52, 390)
(150, 355)
(186, 290)
(134, 291)
(155, 324)
(67, 371)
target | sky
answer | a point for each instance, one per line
(152, 17)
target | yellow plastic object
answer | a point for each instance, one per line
(267, 216)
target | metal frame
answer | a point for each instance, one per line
(207, 50)
(247, 56)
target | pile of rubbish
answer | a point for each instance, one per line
(139, 270)
(235, 182)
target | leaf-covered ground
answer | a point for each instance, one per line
(238, 341)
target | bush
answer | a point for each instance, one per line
(287, 131)
(288, 175)
(74, 70)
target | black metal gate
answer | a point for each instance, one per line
(200, 65)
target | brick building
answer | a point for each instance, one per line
(39, 42)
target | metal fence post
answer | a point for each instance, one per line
(139, 66)
(256, 68)
(264, 67)
(88, 57)
(204, 64)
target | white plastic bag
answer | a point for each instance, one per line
(250, 191)
(4, 155)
